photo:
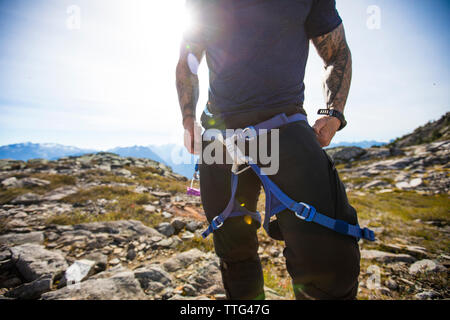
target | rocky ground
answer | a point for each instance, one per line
(105, 227)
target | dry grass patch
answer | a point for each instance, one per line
(206, 245)
(407, 205)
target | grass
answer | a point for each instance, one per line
(103, 176)
(56, 181)
(397, 211)
(127, 206)
(357, 180)
(132, 213)
(280, 284)
(198, 242)
(7, 195)
(99, 192)
(406, 205)
(3, 222)
(73, 218)
(150, 177)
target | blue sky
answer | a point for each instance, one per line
(111, 83)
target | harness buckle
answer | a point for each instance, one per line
(215, 224)
(249, 136)
(311, 213)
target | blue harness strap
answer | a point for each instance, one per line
(277, 200)
(233, 209)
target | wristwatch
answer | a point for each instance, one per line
(336, 114)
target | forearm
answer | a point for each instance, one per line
(188, 89)
(337, 80)
(337, 57)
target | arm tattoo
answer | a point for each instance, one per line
(187, 82)
(334, 51)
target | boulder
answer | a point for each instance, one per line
(189, 290)
(161, 194)
(345, 154)
(32, 290)
(27, 198)
(182, 260)
(79, 271)
(415, 182)
(165, 243)
(34, 261)
(386, 257)
(178, 224)
(33, 182)
(152, 273)
(375, 183)
(193, 225)
(426, 295)
(12, 182)
(60, 193)
(166, 229)
(402, 185)
(187, 235)
(121, 286)
(128, 228)
(425, 265)
(122, 172)
(16, 223)
(131, 254)
(8, 164)
(411, 184)
(167, 215)
(14, 239)
(149, 208)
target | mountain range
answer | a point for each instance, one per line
(171, 155)
(182, 162)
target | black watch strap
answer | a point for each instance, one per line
(336, 114)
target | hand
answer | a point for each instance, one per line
(192, 136)
(325, 129)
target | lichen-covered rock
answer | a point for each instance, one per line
(152, 273)
(386, 257)
(27, 198)
(125, 227)
(14, 239)
(33, 289)
(60, 193)
(345, 154)
(166, 229)
(34, 261)
(121, 286)
(424, 266)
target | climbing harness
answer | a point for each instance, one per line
(276, 199)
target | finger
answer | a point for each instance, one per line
(316, 129)
(323, 140)
(318, 125)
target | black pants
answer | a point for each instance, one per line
(323, 264)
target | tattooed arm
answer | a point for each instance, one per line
(188, 88)
(333, 49)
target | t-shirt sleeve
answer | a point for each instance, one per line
(322, 19)
(195, 31)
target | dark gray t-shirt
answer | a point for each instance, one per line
(257, 50)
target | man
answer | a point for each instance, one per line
(256, 52)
